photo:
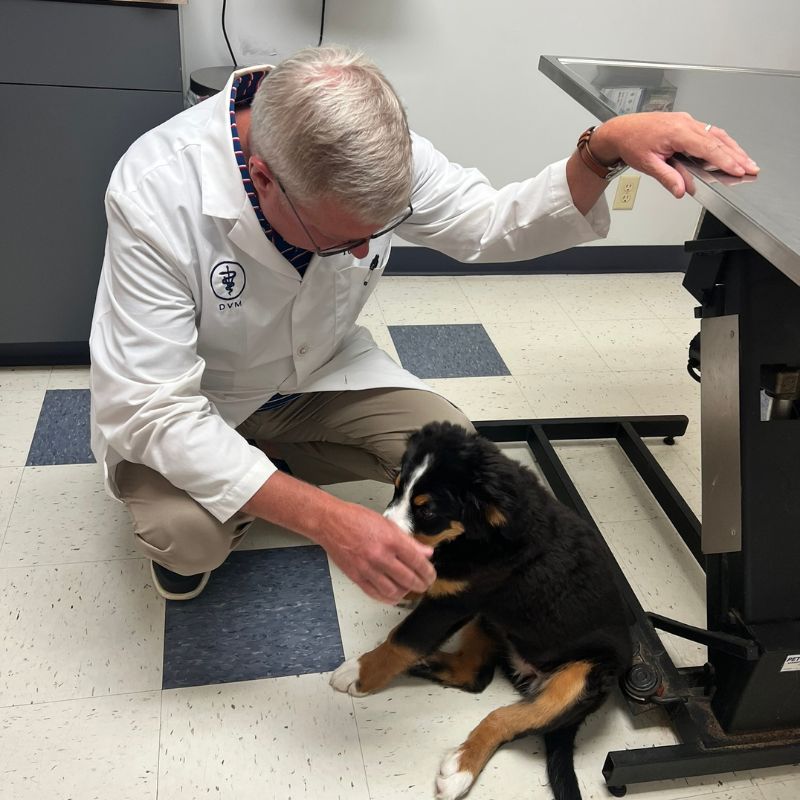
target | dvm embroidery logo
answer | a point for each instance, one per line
(228, 280)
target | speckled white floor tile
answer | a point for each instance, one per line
(634, 344)
(280, 738)
(664, 574)
(63, 515)
(787, 774)
(19, 413)
(10, 478)
(597, 297)
(578, 394)
(670, 392)
(535, 348)
(607, 482)
(371, 311)
(24, 378)
(682, 471)
(782, 790)
(372, 494)
(79, 630)
(724, 786)
(728, 786)
(685, 328)
(91, 749)
(263, 535)
(363, 622)
(739, 785)
(424, 301)
(521, 452)
(380, 333)
(685, 451)
(511, 298)
(69, 378)
(688, 448)
(485, 398)
(662, 293)
(663, 391)
(406, 729)
(618, 497)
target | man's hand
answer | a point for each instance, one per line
(380, 558)
(384, 561)
(647, 141)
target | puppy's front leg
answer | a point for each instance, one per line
(418, 635)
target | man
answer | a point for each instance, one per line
(244, 237)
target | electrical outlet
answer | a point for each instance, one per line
(627, 186)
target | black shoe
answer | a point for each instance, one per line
(172, 586)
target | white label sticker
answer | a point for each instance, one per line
(792, 664)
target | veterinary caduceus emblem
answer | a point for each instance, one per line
(228, 280)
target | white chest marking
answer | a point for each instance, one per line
(399, 511)
(523, 669)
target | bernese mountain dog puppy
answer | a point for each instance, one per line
(526, 581)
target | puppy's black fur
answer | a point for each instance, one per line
(532, 577)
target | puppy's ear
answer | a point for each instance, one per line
(492, 496)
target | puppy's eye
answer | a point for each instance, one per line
(425, 513)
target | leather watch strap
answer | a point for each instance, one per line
(601, 170)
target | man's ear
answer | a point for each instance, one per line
(262, 176)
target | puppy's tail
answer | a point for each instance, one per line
(560, 745)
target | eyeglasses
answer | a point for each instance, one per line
(344, 247)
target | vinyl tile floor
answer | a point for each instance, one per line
(107, 692)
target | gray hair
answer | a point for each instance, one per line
(329, 125)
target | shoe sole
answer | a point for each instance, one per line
(172, 595)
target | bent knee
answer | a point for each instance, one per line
(183, 537)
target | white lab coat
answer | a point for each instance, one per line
(180, 356)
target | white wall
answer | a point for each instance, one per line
(467, 69)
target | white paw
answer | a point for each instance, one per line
(345, 678)
(452, 782)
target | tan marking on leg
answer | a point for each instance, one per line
(397, 481)
(495, 517)
(421, 500)
(453, 532)
(441, 587)
(462, 667)
(562, 690)
(379, 666)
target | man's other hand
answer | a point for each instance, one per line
(647, 141)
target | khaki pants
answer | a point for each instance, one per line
(326, 437)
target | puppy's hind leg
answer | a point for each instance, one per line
(470, 668)
(556, 700)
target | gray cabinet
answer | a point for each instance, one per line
(78, 83)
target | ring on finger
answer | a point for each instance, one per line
(707, 127)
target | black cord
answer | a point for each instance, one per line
(230, 49)
(321, 24)
(225, 34)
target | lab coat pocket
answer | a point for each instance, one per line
(354, 284)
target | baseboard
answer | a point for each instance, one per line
(44, 354)
(424, 261)
(577, 260)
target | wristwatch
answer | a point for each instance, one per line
(607, 173)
